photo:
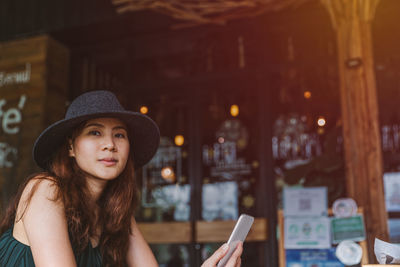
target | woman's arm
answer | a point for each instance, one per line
(46, 227)
(139, 252)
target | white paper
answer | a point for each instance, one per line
(386, 253)
(308, 201)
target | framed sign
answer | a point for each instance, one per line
(301, 201)
(350, 228)
(312, 258)
(306, 233)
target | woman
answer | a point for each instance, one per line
(80, 211)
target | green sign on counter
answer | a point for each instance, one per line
(351, 228)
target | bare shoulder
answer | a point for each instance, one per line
(38, 202)
(44, 225)
(41, 187)
(39, 206)
(39, 190)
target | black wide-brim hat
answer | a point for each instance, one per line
(144, 135)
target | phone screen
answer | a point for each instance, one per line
(239, 233)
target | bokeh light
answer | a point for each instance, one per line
(168, 174)
(144, 109)
(234, 110)
(179, 140)
(321, 121)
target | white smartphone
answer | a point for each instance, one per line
(239, 233)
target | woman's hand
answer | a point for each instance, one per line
(234, 260)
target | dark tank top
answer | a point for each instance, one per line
(14, 253)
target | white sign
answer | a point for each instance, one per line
(177, 196)
(391, 182)
(220, 201)
(8, 155)
(349, 252)
(10, 120)
(300, 201)
(18, 77)
(344, 207)
(310, 233)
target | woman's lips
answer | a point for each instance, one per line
(108, 161)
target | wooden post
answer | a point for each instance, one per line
(33, 92)
(361, 131)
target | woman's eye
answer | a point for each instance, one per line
(120, 135)
(93, 132)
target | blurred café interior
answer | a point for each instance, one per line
(250, 97)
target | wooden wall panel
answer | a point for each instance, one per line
(33, 89)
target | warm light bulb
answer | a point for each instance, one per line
(321, 121)
(179, 140)
(234, 110)
(144, 109)
(168, 174)
(307, 94)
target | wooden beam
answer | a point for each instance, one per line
(362, 145)
(168, 232)
(206, 232)
(219, 231)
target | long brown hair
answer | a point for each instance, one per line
(116, 206)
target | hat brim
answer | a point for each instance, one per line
(144, 136)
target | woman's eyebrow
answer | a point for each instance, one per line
(94, 124)
(120, 127)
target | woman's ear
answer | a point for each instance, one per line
(71, 152)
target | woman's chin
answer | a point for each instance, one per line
(106, 176)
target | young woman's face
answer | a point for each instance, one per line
(101, 149)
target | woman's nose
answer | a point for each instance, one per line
(109, 144)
